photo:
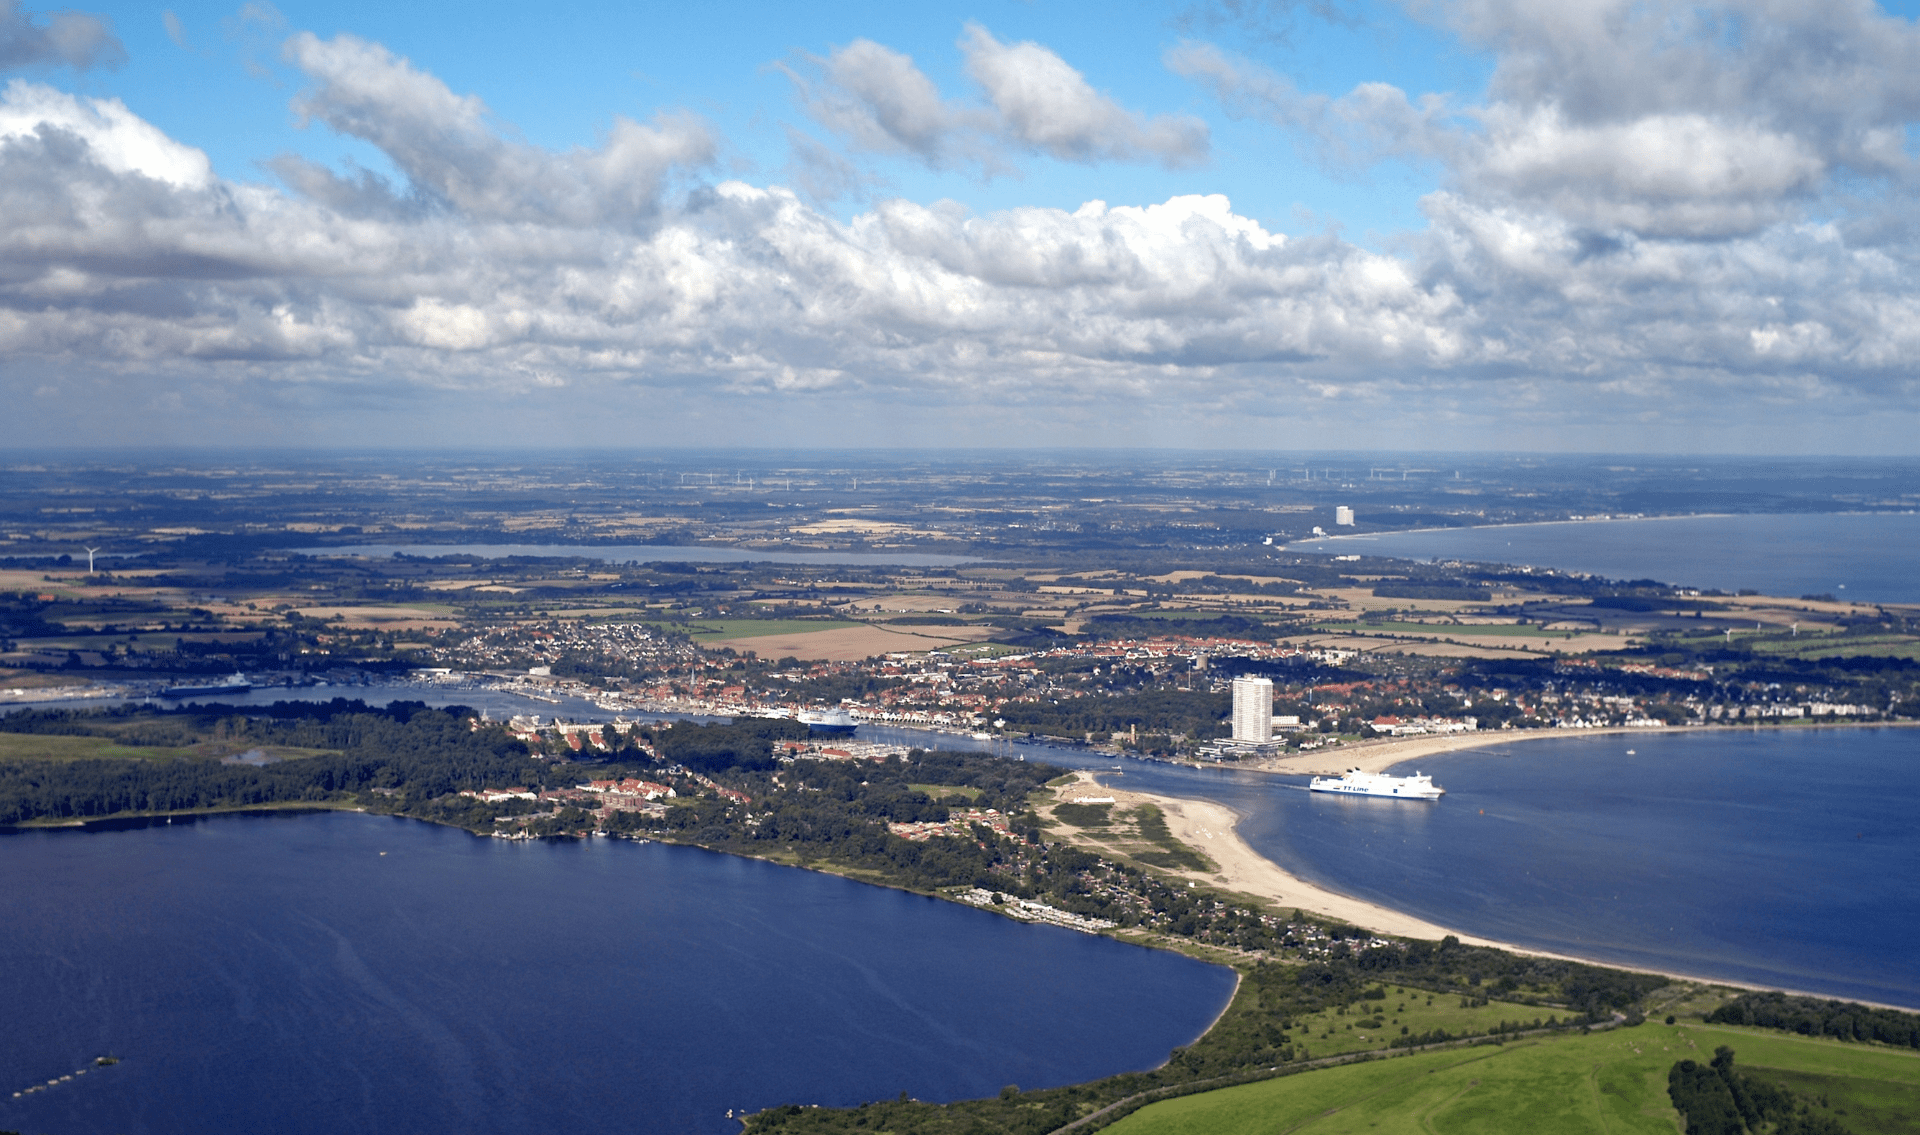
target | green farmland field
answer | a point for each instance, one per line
(1449, 630)
(715, 630)
(1607, 1083)
(50, 747)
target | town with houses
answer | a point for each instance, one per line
(1317, 696)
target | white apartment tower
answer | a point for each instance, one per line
(1343, 515)
(1253, 710)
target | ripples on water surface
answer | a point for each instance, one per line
(279, 973)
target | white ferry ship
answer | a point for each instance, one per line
(1357, 783)
(237, 684)
(829, 721)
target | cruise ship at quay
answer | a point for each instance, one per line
(1357, 783)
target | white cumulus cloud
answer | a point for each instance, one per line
(1031, 101)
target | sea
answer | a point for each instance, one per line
(337, 972)
(1775, 857)
(280, 973)
(1863, 556)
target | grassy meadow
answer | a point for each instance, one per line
(1605, 1083)
(38, 746)
(717, 630)
(50, 747)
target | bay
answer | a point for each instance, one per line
(1863, 556)
(344, 972)
(1782, 857)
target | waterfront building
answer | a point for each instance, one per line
(1253, 710)
(1343, 516)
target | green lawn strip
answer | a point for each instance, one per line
(1159, 613)
(61, 747)
(1350, 1033)
(1607, 1083)
(942, 791)
(1446, 630)
(1170, 853)
(714, 630)
(30, 680)
(38, 746)
(1909, 649)
(1865, 1106)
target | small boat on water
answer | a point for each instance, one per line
(1357, 783)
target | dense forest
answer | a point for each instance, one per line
(1811, 1016)
(406, 748)
(1718, 1100)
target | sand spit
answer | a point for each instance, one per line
(1209, 828)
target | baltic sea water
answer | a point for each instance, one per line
(1865, 556)
(342, 972)
(1777, 857)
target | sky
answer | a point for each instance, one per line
(1466, 225)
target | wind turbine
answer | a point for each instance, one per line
(90, 552)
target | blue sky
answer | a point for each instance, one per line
(1455, 224)
(557, 73)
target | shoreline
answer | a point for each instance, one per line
(1379, 756)
(1212, 830)
(1205, 826)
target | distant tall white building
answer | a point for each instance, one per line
(1343, 515)
(1253, 710)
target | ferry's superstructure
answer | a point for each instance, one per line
(1357, 783)
(237, 684)
(834, 722)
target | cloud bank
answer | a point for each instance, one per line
(1654, 213)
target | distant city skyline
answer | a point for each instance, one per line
(1467, 226)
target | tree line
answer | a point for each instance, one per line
(406, 747)
(1812, 1016)
(1716, 1099)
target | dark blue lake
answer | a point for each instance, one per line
(1850, 556)
(280, 973)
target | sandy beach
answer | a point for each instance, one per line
(1378, 756)
(1209, 828)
